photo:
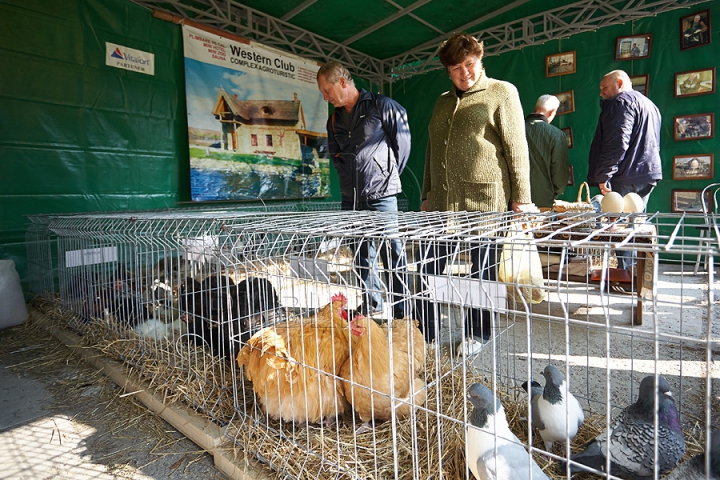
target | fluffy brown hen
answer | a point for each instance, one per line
(294, 366)
(368, 371)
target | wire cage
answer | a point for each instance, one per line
(343, 344)
(42, 250)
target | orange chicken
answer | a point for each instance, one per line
(294, 366)
(367, 373)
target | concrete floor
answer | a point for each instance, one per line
(61, 419)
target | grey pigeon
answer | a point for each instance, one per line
(631, 443)
(555, 411)
(492, 451)
(694, 469)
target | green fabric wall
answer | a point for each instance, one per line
(75, 134)
(595, 57)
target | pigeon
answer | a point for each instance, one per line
(631, 441)
(694, 469)
(492, 451)
(554, 408)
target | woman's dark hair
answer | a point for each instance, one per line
(459, 46)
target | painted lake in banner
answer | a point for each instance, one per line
(214, 184)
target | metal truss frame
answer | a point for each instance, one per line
(585, 15)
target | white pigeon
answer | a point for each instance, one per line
(492, 451)
(556, 413)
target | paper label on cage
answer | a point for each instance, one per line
(468, 292)
(198, 249)
(310, 268)
(90, 256)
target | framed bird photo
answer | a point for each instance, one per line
(560, 64)
(568, 136)
(693, 167)
(633, 47)
(640, 83)
(688, 201)
(695, 82)
(695, 30)
(567, 102)
(694, 127)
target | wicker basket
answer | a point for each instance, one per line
(578, 206)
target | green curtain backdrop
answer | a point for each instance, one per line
(77, 135)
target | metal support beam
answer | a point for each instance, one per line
(579, 17)
(233, 17)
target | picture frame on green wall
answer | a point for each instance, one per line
(568, 136)
(694, 127)
(695, 30)
(567, 102)
(633, 47)
(560, 64)
(571, 177)
(694, 167)
(695, 82)
(640, 83)
(688, 201)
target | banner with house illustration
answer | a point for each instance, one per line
(256, 121)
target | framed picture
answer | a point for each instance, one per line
(687, 201)
(695, 82)
(568, 136)
(693, 167)
(640, 83)
(571, 177)
(694, 127)
(567, 102)
(633, 47)
(695, 30)
(560, 64)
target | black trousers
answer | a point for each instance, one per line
(433, 257)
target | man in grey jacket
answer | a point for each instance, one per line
(625, 153)
(369, 143)
(547, 145)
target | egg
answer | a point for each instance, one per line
(633, 203)
(612, 202)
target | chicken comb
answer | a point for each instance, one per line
(339, 297)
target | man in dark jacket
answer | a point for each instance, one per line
(549, 165)
(369, 143)
(625, 153)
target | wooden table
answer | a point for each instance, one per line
(616, 235)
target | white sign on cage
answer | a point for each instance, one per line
(200, 249)
(90, 256)
(468, 292)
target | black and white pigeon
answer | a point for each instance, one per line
(694, 469)
(555, 411)
(492, 451)
(631, 443)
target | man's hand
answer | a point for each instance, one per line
(423, 207)
(605, 188)
(524, 207)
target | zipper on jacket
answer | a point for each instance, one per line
(447, 145)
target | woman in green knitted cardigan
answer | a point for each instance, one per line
(477, 154)
(476, 160)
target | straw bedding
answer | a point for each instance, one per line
(428, 445)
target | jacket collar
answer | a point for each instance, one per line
(536, 116)
(480, 85)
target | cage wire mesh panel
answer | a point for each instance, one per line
(326, 364)
(41, 248)
(141, 285)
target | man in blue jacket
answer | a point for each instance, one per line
(625, 153)
(369, 143)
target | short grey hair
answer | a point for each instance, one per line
(547, 103)
(333, 72)
(622, 75)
